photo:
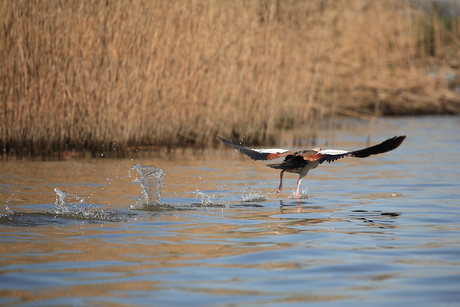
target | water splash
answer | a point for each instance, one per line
(253, 196)
(7, 209)
(75, 211)
(60, 207)
(151, 181)
(208, 200)
(63, 213)
(303, 194)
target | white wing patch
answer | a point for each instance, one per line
(270, 150)
(333, 152)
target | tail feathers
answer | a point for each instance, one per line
(276, 165)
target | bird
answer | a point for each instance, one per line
(302, 161)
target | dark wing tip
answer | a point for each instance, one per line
(386, 146)
(253, 154)
(225, 141)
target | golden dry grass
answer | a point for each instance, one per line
(105, 75)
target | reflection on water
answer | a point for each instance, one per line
(381, 231)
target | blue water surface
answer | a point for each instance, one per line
(383, 231)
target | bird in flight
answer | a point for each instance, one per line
(300, 162)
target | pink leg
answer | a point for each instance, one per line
(281, 183)
(297, 191)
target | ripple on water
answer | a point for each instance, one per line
(380, 232)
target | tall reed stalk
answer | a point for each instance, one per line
(104, 75)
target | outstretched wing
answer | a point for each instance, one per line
(258, 154)
(330, 155)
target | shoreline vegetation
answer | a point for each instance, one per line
(116, 77)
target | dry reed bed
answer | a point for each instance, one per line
(97, 75)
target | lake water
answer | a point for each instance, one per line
(371, 232)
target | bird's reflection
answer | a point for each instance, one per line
(298, 204)
(370, 218)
